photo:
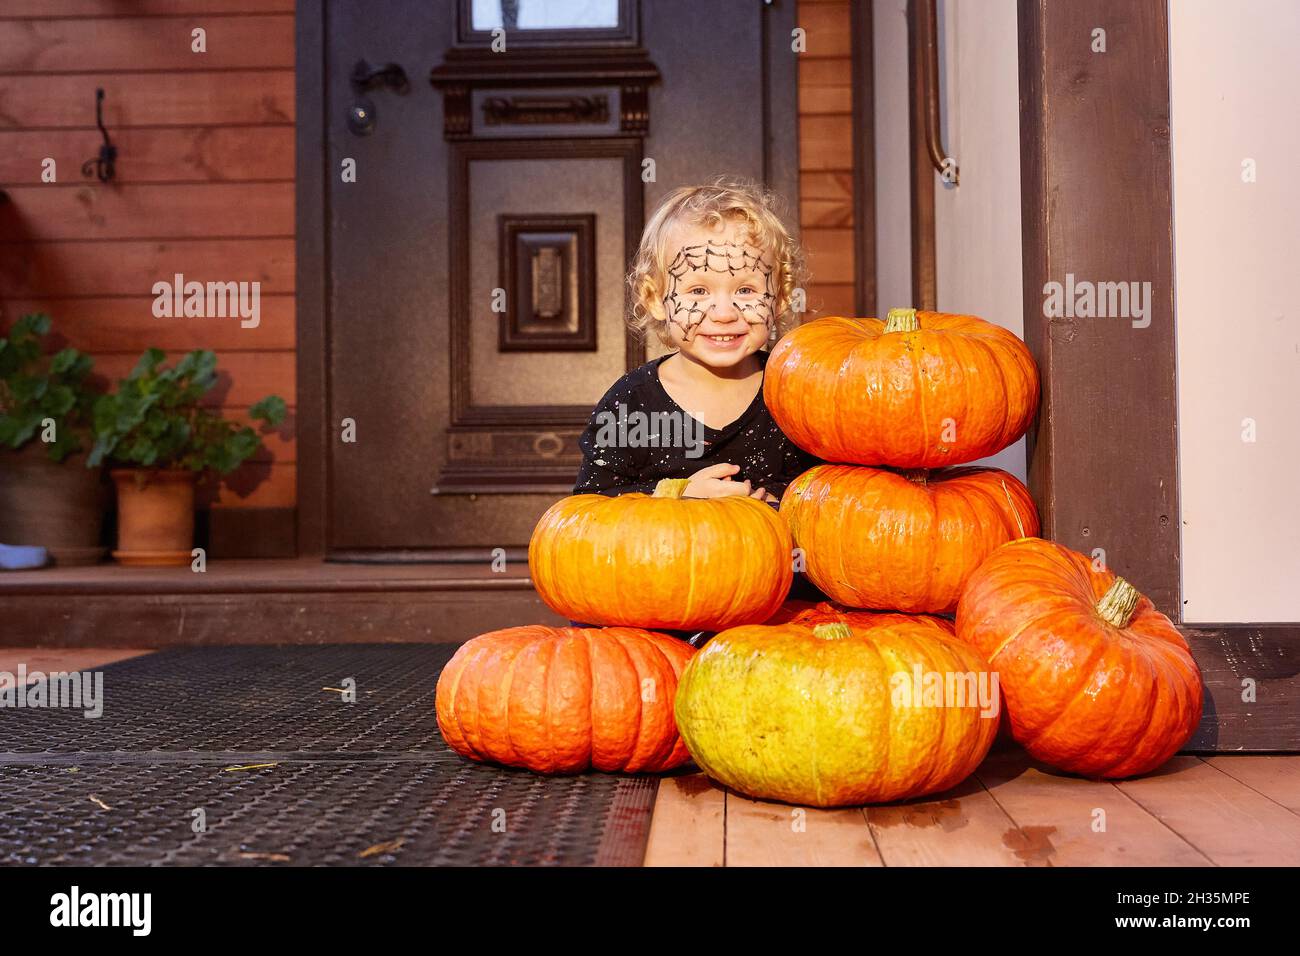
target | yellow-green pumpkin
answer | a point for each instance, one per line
(810, 711)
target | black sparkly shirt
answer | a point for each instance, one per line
(638, 435)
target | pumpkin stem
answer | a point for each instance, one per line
(671, 487)
(901, 320)
(918, 475)
(1119, 603)
(832, 631)
(1014, 513)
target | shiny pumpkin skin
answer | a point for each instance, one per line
(874, 538)
(781, 713)
(1081, 693)
(789, 610)
(817, 612)
(677, 563)
(564, 700)
(847, 391)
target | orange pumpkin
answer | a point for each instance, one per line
(789, 610)
(566, 699)
(1097, 681)
(816, 612)
(879, 539)
(920, 390)
(838, 713)
(662, 560)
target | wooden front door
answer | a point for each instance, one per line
(465, 234)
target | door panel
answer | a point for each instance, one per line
(388, 363)
(560, 188)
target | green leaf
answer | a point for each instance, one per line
(29, 390)
(149, 361)
(199, 369)
(67, 444)
(21, 429)
(98, 452)
(37, 323)
(186, 365)
(24, 346)
(271, 410)
(62, 361)
(125, 420)
(81, 367)
(59, 400)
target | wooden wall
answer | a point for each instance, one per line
(826, 154)
(204, 187)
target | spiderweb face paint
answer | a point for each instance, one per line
(687, 311)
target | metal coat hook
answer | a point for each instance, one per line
(102, 166)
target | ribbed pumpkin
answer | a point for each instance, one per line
(662, 560)
(920, 390)
(789, 610)
(816, 612)
(566, 699)
(879, 539)
(1097, 681)
(806, 712)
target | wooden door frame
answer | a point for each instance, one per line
(311, 267)
(924, 244)
(1096, 201)
(862, 54)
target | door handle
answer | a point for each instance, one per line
(391, 75)
(927, 41)
(365, 77)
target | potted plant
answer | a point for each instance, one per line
(48, 497)
(162, 441)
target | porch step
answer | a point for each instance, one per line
(294, 601)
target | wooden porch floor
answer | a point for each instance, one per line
(1228, 810)
(1225, 810)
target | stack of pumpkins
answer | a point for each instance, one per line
(831, 707)
(804, 704)
(1095, 680)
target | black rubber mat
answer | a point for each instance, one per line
(174, 772)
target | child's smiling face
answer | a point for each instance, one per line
(719, 302)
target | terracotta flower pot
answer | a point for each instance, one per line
(55, 505)
(155, 516)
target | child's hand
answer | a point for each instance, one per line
(715, 482)
(762, 495)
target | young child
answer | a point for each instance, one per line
(714, 279)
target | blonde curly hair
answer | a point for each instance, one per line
(722, 200)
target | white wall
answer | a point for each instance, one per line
(1235, 72)
(977, 225)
